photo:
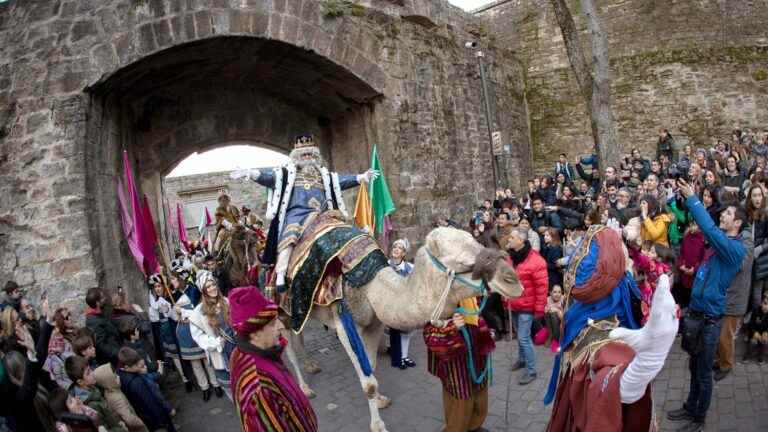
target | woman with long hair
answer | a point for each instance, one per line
(711, 202)
(655, 222)
(757, 211)
(60, 347)
(212, 330)
(552, 252)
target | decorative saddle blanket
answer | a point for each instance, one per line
(329, 252)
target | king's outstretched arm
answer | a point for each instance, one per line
(651, 343)
(264, 176)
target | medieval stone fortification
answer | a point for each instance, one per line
(697, 67)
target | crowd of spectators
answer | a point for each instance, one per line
(644, 199)
(55, 376)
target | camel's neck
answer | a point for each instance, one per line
(407, 303)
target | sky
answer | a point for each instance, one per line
(469, 4)
(227, 159)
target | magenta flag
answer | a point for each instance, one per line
(141, 231)
(128, 231)
(181, 227)
(151, 232)
(208, 220)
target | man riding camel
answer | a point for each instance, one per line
(299, 188)
(227, 216)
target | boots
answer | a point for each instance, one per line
(752, 350)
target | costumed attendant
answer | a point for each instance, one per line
(460, 355)
(189, 349)
(266, 395)
(399, 341)
(212, 331)
(301, 187)
(163, 331)
(601, 378)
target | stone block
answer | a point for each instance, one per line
(163, 33)
(41, 10)
(37, 121)
(83, 29)
(105, 57)
(220, 21)
(240, 21)
(293, 7)
(146, 39)
(259, 23)
(279, 6)
(203, 24)
(275, 24)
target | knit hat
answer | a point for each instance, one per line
(250, 311)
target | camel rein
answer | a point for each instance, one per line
(435, 320)
(480, 288)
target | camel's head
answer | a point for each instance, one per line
(458, 251)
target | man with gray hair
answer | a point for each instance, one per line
(299, 188)
(531, 269)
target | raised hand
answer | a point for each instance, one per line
(651, 343)
(247, 173)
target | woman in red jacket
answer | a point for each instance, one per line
(531, 269)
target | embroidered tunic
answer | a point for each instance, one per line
(267, 397)
(447, 354)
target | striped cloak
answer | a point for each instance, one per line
(267, 397)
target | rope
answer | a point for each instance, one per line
(435, 318)
(488, 360)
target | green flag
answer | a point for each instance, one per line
(381, 200)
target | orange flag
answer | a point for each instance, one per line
(364, 218)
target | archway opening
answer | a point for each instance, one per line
(206, 94)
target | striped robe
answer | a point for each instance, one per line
(448, 357)
(267, 397)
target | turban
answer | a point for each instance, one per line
(597, 267)
(250, 311)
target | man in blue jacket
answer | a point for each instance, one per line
(722, 261)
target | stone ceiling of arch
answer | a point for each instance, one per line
(294, 75)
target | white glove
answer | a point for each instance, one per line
(368, 176)
(247, 173)
(227, 224)
(615, 225)
(651, 343)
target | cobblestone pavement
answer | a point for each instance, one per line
(740, 401)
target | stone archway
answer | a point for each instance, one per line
(201, 95)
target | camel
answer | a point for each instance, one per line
(409, 303)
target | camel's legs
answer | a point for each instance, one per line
(369, 383)
(310, 365)
(371, 336)
(294, 341)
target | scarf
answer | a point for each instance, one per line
(521, 255)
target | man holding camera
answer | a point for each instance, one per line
(701, 325)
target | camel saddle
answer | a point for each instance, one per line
(330, 254)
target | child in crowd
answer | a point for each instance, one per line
(84, 388)
(132, 339)
(553, 316)
(83, 346)
(143, 393)
(107, 379)
(691, 255)
(651, 267)
(70, 414)
(757, 332)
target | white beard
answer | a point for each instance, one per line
(297, 157)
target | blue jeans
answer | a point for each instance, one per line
(526, 355)
(700, 366)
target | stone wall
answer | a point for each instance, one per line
(83, 80)
(696, 67)
(185, 189)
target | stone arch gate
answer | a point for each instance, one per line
(82, 80)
